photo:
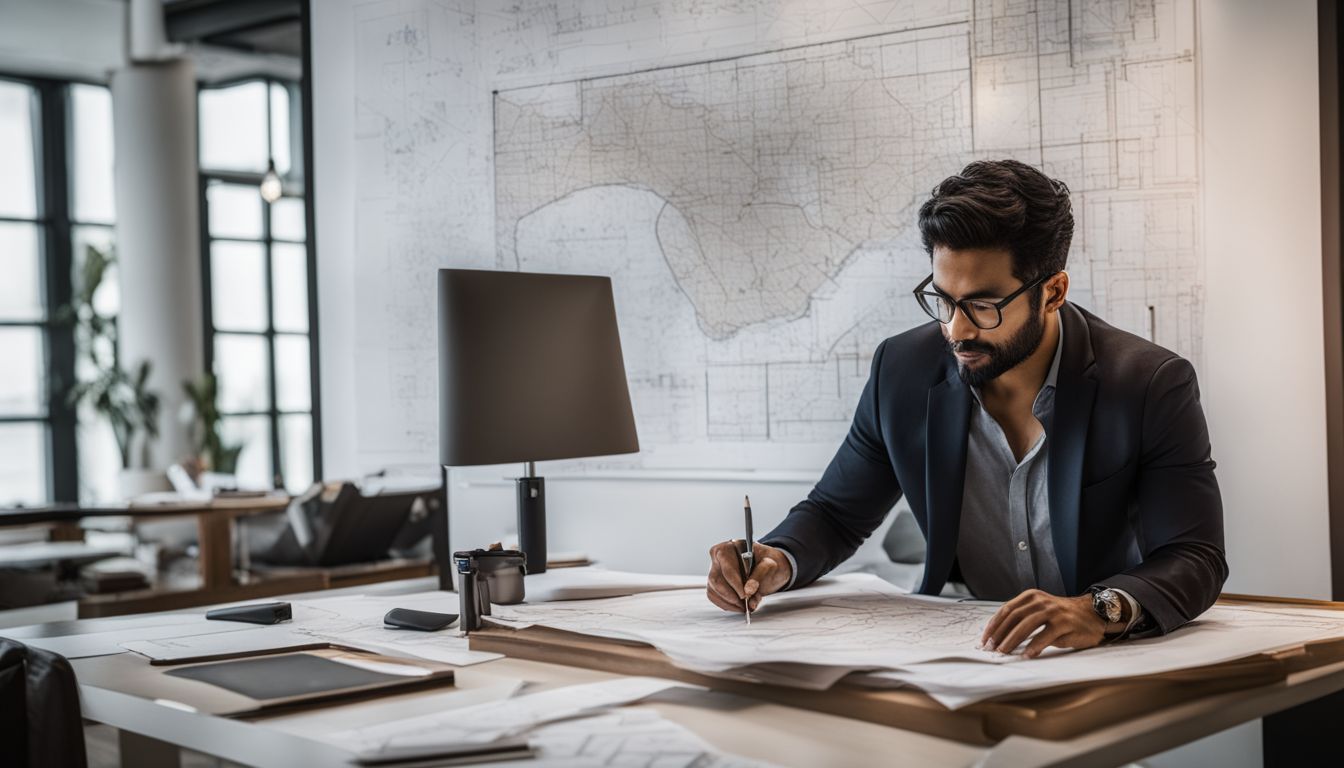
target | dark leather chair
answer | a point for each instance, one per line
(351, 528)
(40, 722)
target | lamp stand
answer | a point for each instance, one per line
(532, 519)
(443, 551)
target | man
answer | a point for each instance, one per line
(1051, 460)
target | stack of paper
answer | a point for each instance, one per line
(858, 623)
(108, 641)
(358, 622)
(495, 720)
(594, 582)
(355, 622)
(565, 726)
(626, 737)
(1223, 633)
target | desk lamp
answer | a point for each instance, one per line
(530, 369)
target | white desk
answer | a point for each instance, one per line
(782, 735)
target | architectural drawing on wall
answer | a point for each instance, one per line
(416, 199)
(748, 171)
(757, 213)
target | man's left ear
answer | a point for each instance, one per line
(1056, 291)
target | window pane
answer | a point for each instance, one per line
(287, 219)
(289, 287)
(92, 197)
(18, 163)
(238, 286)
(99, 459)
(293, 389)
(296, 451)
(108, 298)
(233, 127)
(254, 434)
(23, 464)
(24, 380)
(242, 365)
(107, 303)
(21, 266)
(235, 210)
(280, 128)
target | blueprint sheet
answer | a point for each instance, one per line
(859, 623)
(577, 726)
(625, 738)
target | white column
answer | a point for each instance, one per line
(158, 236)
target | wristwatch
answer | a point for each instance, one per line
(1108, 604)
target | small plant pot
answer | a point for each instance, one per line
(137, 482)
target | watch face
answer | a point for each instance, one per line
(1107, 605)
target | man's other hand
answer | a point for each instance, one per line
(1065, 622)
(726, 586)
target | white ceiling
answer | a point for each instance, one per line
(85, 40)
(80, 39)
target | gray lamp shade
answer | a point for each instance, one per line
(530, 369)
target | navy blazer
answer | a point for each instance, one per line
(1134, 503)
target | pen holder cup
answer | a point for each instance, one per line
(502, 579)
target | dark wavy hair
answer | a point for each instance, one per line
(1002, 204)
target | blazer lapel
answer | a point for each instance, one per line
(947, 429)
(1075, 391)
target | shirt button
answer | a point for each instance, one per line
(1021, 546)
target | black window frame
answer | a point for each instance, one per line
(300, 157)
(56, 228)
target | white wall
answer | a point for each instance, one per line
(1261, 377)
(1264, 377)
(378, 220)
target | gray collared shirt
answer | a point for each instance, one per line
(1005, 548)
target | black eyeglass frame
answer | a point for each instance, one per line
(998, 306)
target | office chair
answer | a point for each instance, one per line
(351, 528)
(41, 725)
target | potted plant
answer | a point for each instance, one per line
(122, 397)
(213, 453)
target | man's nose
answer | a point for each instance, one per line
(961, 328)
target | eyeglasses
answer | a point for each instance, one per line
(983, 313)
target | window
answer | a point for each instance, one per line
(56, 199)
(258, 291)
(24, 426)
(92, 215)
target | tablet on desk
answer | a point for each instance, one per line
(298, 678)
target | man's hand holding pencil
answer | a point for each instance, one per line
(729, 591)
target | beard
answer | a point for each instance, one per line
(1000, 358)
